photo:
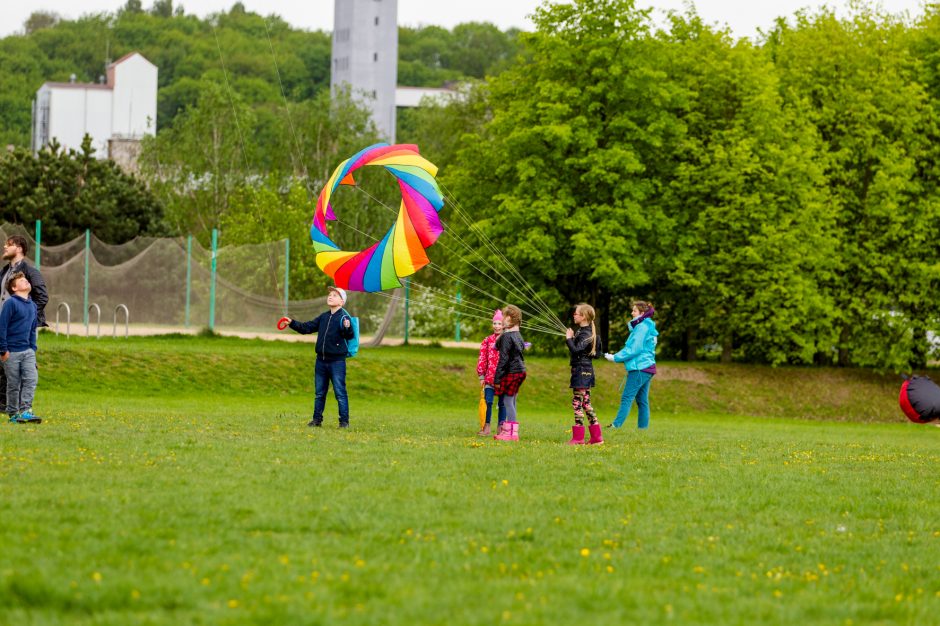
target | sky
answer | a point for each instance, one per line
(744, 17)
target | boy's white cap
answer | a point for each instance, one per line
(341, 292)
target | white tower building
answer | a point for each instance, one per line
(365, 56)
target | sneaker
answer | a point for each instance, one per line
(27, 417)
(344, 424)
(14, 418)
(315, 423)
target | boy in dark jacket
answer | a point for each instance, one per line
(18, 321)
(333, 329)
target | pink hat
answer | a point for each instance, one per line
(498, 316)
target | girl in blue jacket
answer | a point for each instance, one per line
(639, 359)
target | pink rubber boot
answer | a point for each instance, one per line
(513, 431)
(595, 430)
(577, 435)
(505, 432)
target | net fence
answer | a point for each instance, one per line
(165, 284)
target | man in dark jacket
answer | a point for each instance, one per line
(333, 329)
(14, 253)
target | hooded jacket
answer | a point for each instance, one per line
(639, 352)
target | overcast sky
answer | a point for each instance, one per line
(743, 16)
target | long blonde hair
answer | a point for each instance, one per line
(587, 312)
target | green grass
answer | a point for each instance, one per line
(175, 482)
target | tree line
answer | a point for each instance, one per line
(779, 201)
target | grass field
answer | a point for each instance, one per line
(175, 482)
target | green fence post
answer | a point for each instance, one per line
(87, 255)
(407, 290)
(215, 248)
(38, 240)
(457, 333)
(189, 274)
(286, 274)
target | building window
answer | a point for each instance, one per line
(374, 95)
(375, 56)
(376, 20)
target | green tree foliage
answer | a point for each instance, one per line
(71, 191)
(748, 224)
(778, 201)
(879, 125)
(559, 174)
(39, 20)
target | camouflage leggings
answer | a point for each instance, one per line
(581, 403)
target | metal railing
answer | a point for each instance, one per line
(127, 320)
(97, 310)
(68, 318)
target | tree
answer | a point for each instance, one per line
(198, 164)
(71, 191)
(38, 20)
(558, 175)
(880, 130)
(749, 236)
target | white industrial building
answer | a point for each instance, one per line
(116, 114)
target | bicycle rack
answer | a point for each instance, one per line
(98, 311)
(127, 319)
(68, 318)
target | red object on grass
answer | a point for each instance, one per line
(283, 323)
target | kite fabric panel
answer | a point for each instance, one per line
(402, 251)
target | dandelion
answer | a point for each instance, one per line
(135, 595)
(585, 552)
(205, 582)
(96, 577)
(233, 604)
(505, 482)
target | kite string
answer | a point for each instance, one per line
(458, 211)
(543, 310)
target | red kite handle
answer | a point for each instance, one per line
(283, 323)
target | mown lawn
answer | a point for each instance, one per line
(175, 482)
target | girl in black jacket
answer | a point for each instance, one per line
(584, 346)
(510, 371)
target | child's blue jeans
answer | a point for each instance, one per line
(488, 393)
(637, 388)
(325, 373)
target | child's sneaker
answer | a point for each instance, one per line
(27, 417)
(14, 418)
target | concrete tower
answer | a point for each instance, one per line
(365, 56)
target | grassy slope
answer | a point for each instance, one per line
(175, 482)
(184, 366)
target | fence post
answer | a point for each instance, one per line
(87, 255)
(189, 274)
(457, 333)
(215, 248)
(407, 290)
(38, 240)
(286, 274)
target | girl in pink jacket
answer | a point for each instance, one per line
(486, 367)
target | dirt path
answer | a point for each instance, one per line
(138, 330)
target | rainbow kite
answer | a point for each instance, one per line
(401, 252)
